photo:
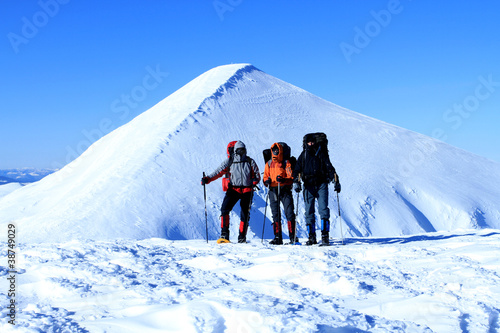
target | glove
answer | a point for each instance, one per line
(205, 180)
(336, 186)
(267, 182)
(297, 187)
(279, 179)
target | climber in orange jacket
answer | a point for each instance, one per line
(278, 177)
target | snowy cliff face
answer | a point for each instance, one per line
(143, 179)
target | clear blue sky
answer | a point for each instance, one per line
(66, 65)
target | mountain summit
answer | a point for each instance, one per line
(143, 179)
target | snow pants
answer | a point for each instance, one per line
(311, 193)
(232, 198)
(286, 199)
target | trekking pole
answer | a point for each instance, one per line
(296, 219)
(264, 223)
(297, 214)
(205, 197)
(247, 222)
(341, 233)
(279, 203)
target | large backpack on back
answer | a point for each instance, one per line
(287, 155)
(230, 153)
(317, 138)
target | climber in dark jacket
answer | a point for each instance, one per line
(316, 171)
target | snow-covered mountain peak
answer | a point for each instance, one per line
(142, 180)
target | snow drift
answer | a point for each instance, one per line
(143, 179)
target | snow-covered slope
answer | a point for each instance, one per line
(143, 179)
(9, 188)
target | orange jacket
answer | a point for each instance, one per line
(277, 167)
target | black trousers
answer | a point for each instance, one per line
(232, 198)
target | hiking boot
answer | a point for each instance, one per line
(278, 240)
(325, 237)
(224, 227)
(312, 234)
(291, 232)
(311, 241)
(278, 235)
(242, 237)
(325, 231)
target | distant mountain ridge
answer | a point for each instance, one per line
(23, 175)
(143, 179)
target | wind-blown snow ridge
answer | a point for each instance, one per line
(230, 83)
(233, 80)
(142, 180)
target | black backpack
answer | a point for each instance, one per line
(287, 152)
(318, 138)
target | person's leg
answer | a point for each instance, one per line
(310, 193)
(245, 204)
(324, 213)
(274, 202)
(288, 207)
(230, 199)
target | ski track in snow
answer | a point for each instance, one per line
(436, 282)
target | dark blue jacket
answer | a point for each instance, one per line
(315, 166)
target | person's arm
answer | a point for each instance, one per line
(219, 172)
(256, 173)
(289, 172)
(330, 170)
(298, 168)
(267, 175)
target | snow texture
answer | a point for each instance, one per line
(9, 188)
(434, 282)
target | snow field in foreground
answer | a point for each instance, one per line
(438, 282)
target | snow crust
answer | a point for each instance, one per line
(143, 179)
(433, 282)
